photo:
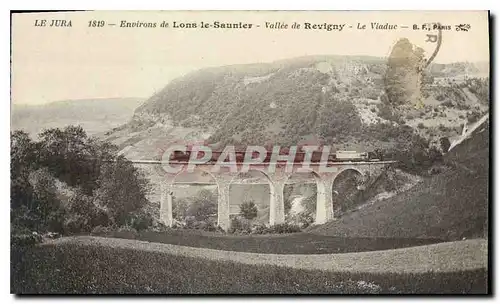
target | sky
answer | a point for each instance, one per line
(82, 62)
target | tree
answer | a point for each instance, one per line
(34, 202)
(66, 153)
(203, 205)
(107, 187)
(46, 209)
(23, 160)
(73, 157)
(121, 189)
(83, 214)
(179, 208)
(248, 210)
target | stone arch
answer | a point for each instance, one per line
(363, 173)
(198, 169)
(311, 171)
(199, 185)
(255, 185)
(347, 188)
(300, 197)
(261, 171)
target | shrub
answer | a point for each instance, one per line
(83, 214)
(101, 230)
(445, 144)
(77, 224)
(284, 228)
(442, 128)
(189, 221)
(385, 112)
(200, 225)
(420, 125)
(25, 239)
(212, 227)
(479, 87)
(473, 117)
(370, 93)
(435, 170)
(127, 232)
(158, 226)
(434, 155)
(248, 210)
(240, 225)
(126, 229)
(463, 107)
(448, 104)
(259, 229)
(140, 220)
(440, 97)
(305, 220)
(196, 208)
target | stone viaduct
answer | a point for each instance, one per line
(277, 179)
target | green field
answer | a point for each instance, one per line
(77, 268)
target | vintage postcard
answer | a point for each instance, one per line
(250, 152)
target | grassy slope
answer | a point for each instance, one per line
(297, 243)
(451, 205)
(73, 268)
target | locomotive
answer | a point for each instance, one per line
(351, 156)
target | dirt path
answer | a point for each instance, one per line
(443, 257)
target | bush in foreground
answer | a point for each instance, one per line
(241, 225)
(102, 188)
